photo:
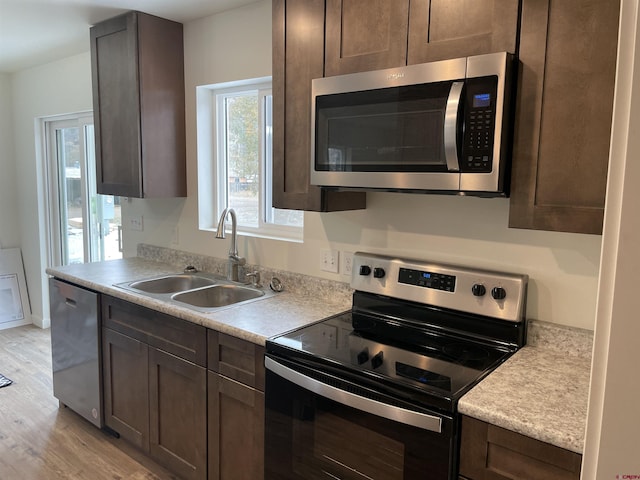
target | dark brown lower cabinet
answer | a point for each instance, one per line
(488, 452)
(236, 408)
(159, 395)
(177, 411)
(156, 399)
(236, 430)
(126, 388)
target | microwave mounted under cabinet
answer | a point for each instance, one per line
(440, 127)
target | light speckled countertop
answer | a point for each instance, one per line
(255, 321)
(542, 390)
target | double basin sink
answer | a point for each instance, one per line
(199, 291)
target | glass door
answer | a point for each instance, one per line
(85, 226)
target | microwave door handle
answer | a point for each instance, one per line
(397, 414)
(451, 126)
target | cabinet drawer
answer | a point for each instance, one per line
(488, 452)
(237, 359)
(173, 335)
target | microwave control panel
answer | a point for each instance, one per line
(479, 121)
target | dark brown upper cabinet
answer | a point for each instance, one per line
(298, 57)
(442, 29)
(137, 63)
(364, 35)
(316, 38)
(563, 114)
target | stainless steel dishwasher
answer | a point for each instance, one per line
(75, 349)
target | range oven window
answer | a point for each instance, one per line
(309, 437)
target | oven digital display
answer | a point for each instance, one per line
(437, 281)
(481, 100)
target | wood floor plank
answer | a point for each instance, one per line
(41, 441)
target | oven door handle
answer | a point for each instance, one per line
(451, 127)
(425, 421)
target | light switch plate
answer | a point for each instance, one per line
(136, 223)
(329, 260)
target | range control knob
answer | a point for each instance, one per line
(363, 356)
(478, 290)
(378, 272)
(498, 293)
(376, 361)
(365, 270)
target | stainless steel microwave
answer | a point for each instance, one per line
(440, 127)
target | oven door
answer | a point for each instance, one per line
(321, 426)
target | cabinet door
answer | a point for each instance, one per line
(236, 359)
(116, 100)
(363, 35)
(236, 430)
(563, 114)
(298, 57)
(442, 29)
(137, 63)
(488, 452)
(178, 414)
(125, 370)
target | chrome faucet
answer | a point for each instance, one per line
(235, 260)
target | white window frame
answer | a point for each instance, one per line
(212, 173)
(53, 198)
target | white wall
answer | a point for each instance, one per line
(55, 88)
(612, 445)
(563, 267)
(9, 220)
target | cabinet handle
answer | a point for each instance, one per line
(397, 414)
(120, 238)
(451, 127)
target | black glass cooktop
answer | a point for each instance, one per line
(442, 365)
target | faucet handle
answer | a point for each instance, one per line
(255, 279)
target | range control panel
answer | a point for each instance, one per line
(421, 278)
(482, 292)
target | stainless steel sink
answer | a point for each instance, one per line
(171, 284)
(203, 291)
(218, 296)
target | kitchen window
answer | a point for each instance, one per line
(235, 160)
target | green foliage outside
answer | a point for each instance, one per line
(243, 142)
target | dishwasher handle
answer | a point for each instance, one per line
(425, 421)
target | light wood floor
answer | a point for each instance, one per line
(39, 440)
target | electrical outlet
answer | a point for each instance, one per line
(346, 263)
(329, 260)
(136, 223)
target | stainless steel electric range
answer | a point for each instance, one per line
(372, 393)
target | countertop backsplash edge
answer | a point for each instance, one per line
(329, 290)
